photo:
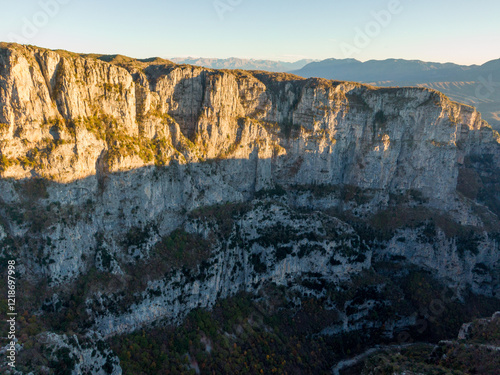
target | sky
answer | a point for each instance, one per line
(459, 31)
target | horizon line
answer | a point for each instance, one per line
(270, 59)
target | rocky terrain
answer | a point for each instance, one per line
(476, 85)
(475, 351)
(136, 193)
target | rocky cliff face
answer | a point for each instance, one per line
(98, 117)
(108, 165)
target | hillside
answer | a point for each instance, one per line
(173, 218)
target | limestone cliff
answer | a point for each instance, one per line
(103, 159)
(87, 117)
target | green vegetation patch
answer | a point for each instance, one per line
(239, 336)
(182, 249)
(446, 359)
(6, 163)
(106, 128)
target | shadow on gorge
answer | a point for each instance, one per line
(108, 238)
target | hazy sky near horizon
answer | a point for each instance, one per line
(458, 31)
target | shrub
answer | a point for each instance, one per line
(6, 163)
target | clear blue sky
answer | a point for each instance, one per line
(458, 31)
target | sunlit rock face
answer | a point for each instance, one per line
(98, 117)
(102, 158)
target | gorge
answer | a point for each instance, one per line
(140, 193)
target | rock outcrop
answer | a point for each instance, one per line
(102, 158)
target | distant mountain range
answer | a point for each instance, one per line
(246, 64)
(477, 85)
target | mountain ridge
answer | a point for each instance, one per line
(144, 194)
(480, 83)
(246, 64)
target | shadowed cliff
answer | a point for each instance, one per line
(153, 188)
